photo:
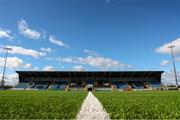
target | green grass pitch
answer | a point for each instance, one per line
(66, 105)
(40, 104)
(141, 105)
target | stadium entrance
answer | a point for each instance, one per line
(90, 87)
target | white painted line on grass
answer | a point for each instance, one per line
(92, 109)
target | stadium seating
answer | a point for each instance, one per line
(54, 86)
(122, 85)
(79, 85)
(89, 81)
(41, 86)
(31, 85)
(62, 87)
(22, 85)
(155, 85)
(137, 85)
(58, 86)
(114, 86)
(74, 88)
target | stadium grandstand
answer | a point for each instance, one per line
(88, 80)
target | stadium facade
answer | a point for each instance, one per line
(89, 80)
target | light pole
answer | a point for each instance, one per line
(171, 47)
(4, 69)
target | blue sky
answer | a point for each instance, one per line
(90, 34)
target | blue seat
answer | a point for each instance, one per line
(41, 86)
(22, 85)
(89, 81)
(62, 87)
(54, 86)
(137, 85)
(59, 86)
(122, 85)
(155, 84)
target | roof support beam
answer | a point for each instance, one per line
(144, 74)
(149, 74)
(132, 74)
(35, 76)
(47, 76)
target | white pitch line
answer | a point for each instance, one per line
(92, 109)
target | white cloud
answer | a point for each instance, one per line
(50, 58)
(75, 60)
(14, 62)
(48, 50)
(91, 52)
(67, 60)
(25, 30)
(78, 68)
(165, 50)
(56, 41)
(98, 62)
(24, 51)
(164, 63)
(49, 68)
(4, 33)
(28, 65)
(169, 79)
(103, 63)
(36, 68)
(10, 79)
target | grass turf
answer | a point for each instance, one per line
(141, 105)
(40, 104)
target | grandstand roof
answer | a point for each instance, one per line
(113, 74)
